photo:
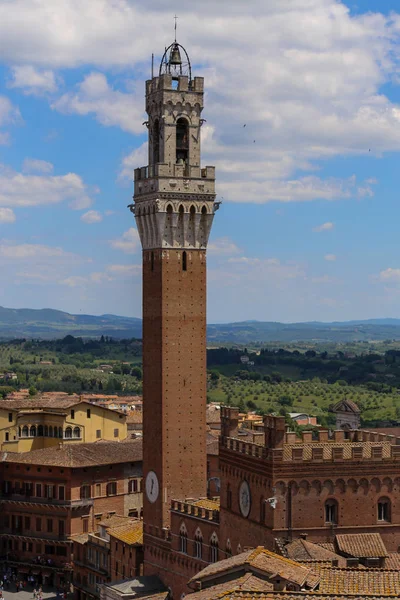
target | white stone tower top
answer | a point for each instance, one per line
(174, 198)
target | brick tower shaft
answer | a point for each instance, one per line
(174, 206)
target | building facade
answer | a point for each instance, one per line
(49, 495)
(46, 421)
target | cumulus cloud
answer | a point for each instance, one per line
(390, 275)
(137, 158)
(324, 227)
(7, 215)
(21, 190)
(92, 216)
(223, 245)
(110, 107)
(33, 165)
(330, 257)
(9, 115)
(121, 270)
(128, 243)
(33, 81)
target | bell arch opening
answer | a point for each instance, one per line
(182, 141)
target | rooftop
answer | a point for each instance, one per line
(369, 582)
(140, 587)
(260, 560)
(302, 551)
(79, 455)
(129, 534)
(361, 545)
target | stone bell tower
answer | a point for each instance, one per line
(174, 205)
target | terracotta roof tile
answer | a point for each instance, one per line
(262, 560)
(342, 404)
(130, 534)
(361, 545)
(302, 550)
(393, 561)
(79, 455)
(208, 504)
(369, 582)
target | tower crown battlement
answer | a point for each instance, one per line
(174, 197)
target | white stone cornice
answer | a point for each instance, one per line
(183, 223)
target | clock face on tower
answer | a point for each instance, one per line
(244, 499)
(152, 487)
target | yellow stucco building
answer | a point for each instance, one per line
(50, 419)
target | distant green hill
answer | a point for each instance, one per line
(49, 324)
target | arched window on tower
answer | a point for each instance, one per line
(384, 510)
(182, 142)
(156, 142)
(183, 539)
(331, 511)
(228, 550)
(213, 548)
(152, 261)
(32, 431)
(184, 261)
(198, 544)
(229, 497)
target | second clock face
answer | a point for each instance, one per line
(152, 487)
(244, 499)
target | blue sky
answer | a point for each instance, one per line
(308, 228)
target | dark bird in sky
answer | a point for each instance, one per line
(245, 125)
(254, 141)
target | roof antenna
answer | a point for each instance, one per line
(176, 18)
(152, 65)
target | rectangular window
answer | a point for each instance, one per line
(49, 550)
(85, 525)
(38, 490)
(98, 490)
(116, 433)
(39, 548)
(49, 525)
(61, 492)
(7, 436)
(132, 486)
(72, 414)
(61, 528)
(98, 433)
(88, 413)
(61, 551)
(27, 523)
(98, 517)
(38, 524)
(10, 417)
(111, 488)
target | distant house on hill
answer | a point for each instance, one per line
(347, 414)
(303, 419)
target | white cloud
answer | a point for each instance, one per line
(92, 216)
(118, 270)
(110, 107)
(223, 245)
(9, 115)
(33, 80)
(33, 165)
(297, 190)
(324, 227)
(330, 257)
(22, 190)
(129, 242)
(33, 251)
(7, 215)
(137, 158)
(390, 275)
